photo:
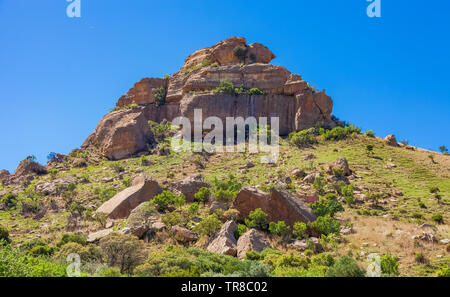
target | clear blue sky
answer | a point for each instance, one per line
(59, 76)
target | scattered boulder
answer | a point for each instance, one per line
(310, 178)
(189, 187)
(309, 157)
(298, 173)
(279, 205)
(159, 226)
(444, 241)
(340, 163)
(346, 230)
(138, 231)
(96, 236)
(428, 236)
(302, 245)
(397, 192)
(391, 140)
(217, 205)
(54, 187)
(252, 240)
(183, 235)
(79, 163)
(390, 165)
(224, 242)
(120, 206)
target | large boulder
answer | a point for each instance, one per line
(252, 240)
(340, 163)
(224, 242)
(96, 236)
(24, 174)
(4, 176)
(121, 134)
(120, 206)
(189, 187)
(183, 235)
(391, 140)
(279, 205)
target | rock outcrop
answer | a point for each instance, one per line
(54, 187)
(120, 206)
(252, 240)
(279, 205)
(391, 140)
(183, 235)
(124, 133)
(24, 174)
(189, 187)
(341, 164)
(224, 242)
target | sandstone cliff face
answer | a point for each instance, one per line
(124, 133)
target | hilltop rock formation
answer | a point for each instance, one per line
(124, 132)
(279, 205)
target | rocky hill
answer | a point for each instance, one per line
(262, 90)
(335, 197)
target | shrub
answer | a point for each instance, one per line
(241, 229)
(299, 230)
(166, 199)
(9, 200)
(226, 86)
(160, 97)
(109, 272)
(327, 225)
(28, 245)
(319, 185)
(252, 255)
(444, 271)
(66, 238)
(123, 250)
(338, 172)
(226, 189)
(443, 149)
(255, 91)
(369, 150)
(327, 205)
(420, 258)
(279, 229)
(41, 250)
(257, 219)
(203, 195)
(347, 192)
(370, 133)
(304, 138)
(345, 267)
(209, 225)
(240, 52)
(193, 208)
(339, 133)
(4, 235)
(438, 218)
(73, 248)
(174, 218)
(389, 265)
(160, 130)
(231, 214)
(324, 259)
(13, 263)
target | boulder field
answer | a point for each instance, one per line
(124, 132)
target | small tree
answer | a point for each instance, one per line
(319, 185)
(443, 149)
(209, 225)
(431, 157)
(240, 52)
(257, 219)
(203, 195)
(4, 235)
(389, 265)
(167, 199)
(279, 229)
(369, 150)
(327, 225)
(300, 230)
(123, 250)
(160, 97)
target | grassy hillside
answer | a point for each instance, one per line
(384, 222)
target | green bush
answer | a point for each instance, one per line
(226, 86)
(347, 192)
(28, 245)
(241, 229)
(41, 250)
(304, 138)
(167, 199)
(240, 52)
(125, 251)
(9, 201)
(226, 189)
(257, 219)
(324, 259)
(327, 205)
(389, 265)
(160, 130)
(339, 133)
(4, 235)
(438, 218)
(203, 195)
(209, 225)
(66, 238)
(345, 267)
(370, 133)
(444, 271)
(319, 185)
(255, 91)
(253, 255)
(299, 230)
(160, 97)
(13, 263)
(327, 225)
(279, 229)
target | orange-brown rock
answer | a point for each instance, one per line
(120, 206)
(391, 140)
(121, 134)
(279, 205)
(143, 92)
